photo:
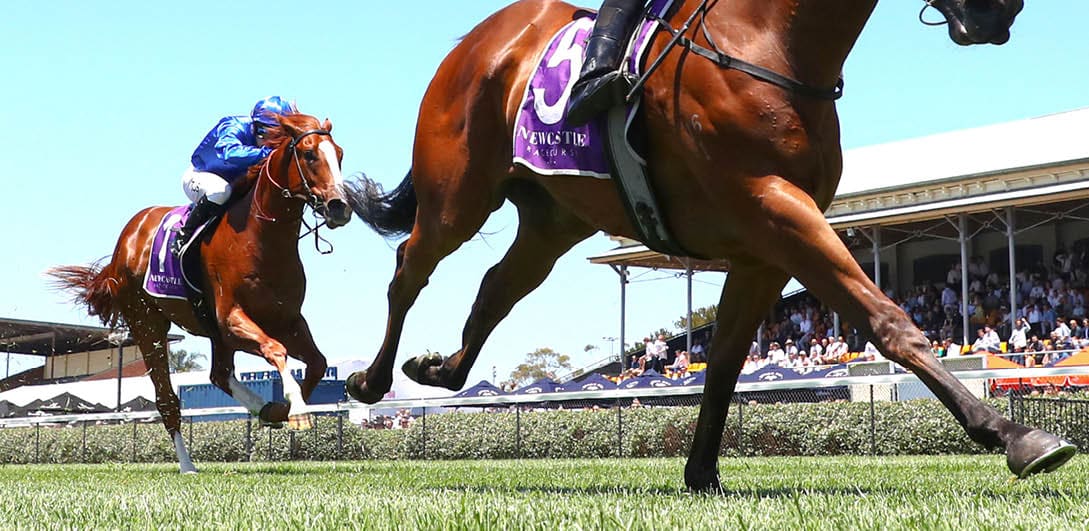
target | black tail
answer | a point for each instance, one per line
(392, 215)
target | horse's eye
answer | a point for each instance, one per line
(310, 156)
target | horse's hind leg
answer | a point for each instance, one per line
(545, 232)
(149, 328)
(300, 345)
(749, 292)
(450, 211)
(817, 257)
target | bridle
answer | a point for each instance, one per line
(928, 4)
(309, 199)
(724, 60)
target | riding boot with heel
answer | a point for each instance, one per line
(202, 211)
(601, 85)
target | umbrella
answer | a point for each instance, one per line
(66, 403)
(138, 404)
(594, 382)
(544, 385)
(484, 388)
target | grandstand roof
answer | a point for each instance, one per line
(1023, 144)
(39, 338)
(1039, 161)
(632, 253)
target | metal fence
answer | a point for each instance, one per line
(1065, 417)
(869, 391)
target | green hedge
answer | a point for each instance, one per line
(910, 427)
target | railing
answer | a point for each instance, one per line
(869, 389)
(1064, 417)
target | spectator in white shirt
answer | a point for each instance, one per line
(776, 355)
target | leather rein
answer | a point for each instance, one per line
(309, 199)
(724, 60)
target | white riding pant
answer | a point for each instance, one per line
(198, 184)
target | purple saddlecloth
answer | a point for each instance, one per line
(164, 275)
(543, 142)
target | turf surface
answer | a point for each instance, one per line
(959, 492)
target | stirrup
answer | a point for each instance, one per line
(598, 95)
(178, 245)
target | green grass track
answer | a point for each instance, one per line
(958, 492)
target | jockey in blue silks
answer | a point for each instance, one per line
(227, 151)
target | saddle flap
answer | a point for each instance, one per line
(169, 276)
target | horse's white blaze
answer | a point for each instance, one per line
(184, 461)
(245, 396)
(293, 393)
(330, 153)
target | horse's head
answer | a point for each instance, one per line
(978, 21)
(313, 160)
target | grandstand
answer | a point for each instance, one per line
(69, 353)
(918, 214)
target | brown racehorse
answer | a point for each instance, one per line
(253, 271)
(743, 169)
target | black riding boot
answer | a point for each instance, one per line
(601, 85)
(202, 211)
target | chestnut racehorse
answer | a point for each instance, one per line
(253, 273)
(743, 168)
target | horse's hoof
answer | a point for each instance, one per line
(415, 367)
(702, 480)
(356, 386)
(273, 414)
(301, 422)
(1038, 451)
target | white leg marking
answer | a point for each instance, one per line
(293, 393)
(183, 455)
(244, 396)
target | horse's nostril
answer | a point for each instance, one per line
(338, 212)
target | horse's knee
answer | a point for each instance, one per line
(275, 353)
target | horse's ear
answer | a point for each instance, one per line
(328, 126)
(289, 129)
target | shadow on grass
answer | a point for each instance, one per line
(753, 493)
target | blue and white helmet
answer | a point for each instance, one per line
(266, 109)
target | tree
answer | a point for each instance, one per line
(541, 363)
(700, 317)
(182, 360)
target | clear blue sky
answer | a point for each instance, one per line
(104, 102)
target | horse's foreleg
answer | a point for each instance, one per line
(300, 345)
(222, 376)
(256, 341)
(545, 232)
(445, 219)
(819, 259)
(749, 292)
(150, 333)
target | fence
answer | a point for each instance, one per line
(869, 414)
(1065, 417)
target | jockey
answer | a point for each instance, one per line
(601, 85)
(227, 151)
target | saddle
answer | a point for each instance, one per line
(172, 277)
(607, 147)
